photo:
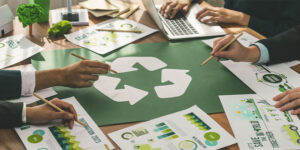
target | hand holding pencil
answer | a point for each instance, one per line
(228, 47)
(48, 112)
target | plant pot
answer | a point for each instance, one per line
(45, 4)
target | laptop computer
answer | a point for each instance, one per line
(182, 26)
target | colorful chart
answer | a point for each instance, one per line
(197, 122)
(35, 138)
(140, 131)
(127, 136)
(64, 138)
(145, 147)
(271, 78)
(167, 133)
(187, 145)
(211, 138)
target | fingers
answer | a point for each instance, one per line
(175, 10)
(296, 111)
(86, 77)
(90, 70)
(186, 8)
(223, 41)
(65, 106)
(169, 9)
(291, 105)
(280, 96)
(164, 6)
(95, 64)
(62, 115)
(207, 13)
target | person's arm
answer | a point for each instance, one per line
(77, 75)
(10, 82)
(284, 46)
(270, 27)
(10, 114)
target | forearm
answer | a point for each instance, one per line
(48, 78)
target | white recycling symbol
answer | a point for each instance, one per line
(107, 85)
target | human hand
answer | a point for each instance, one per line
(45, 113)
(289, 100)
(175, 5)
(82, 73)
(235, 51)
(223, 15)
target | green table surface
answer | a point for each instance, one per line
(208, 81)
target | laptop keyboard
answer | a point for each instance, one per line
(179, 25)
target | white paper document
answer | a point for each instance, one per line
(54, 136)
(190, 129)
(14, 49)
(266, 81)
(246, 40)
(103, 42)
(258, 125)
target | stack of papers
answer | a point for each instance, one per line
(112, 8)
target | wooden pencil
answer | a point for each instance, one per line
(80, 57)
(224, 47)
(119, 30)
(55, 107)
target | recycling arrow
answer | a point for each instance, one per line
(107, 85)
(125, 64)
(180, 80)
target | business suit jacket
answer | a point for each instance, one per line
(268, 17)
(284, 46)
(10, 88)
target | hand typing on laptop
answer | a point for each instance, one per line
(170, 8)
(222, 15)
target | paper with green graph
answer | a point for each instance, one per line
(188, 129)
(55, 136)
(154, 80)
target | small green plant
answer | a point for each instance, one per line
(29, 14)
(60, 28)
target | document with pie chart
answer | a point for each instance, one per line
(190, 129)
(107, 85)
(266, 81)
(103, 42)
(55, 136)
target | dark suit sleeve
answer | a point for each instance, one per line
(10, 114)
(10, 84)
(270, 27)
(284, 46)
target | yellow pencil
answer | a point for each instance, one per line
(55, 107)
(80, 57)
(118, 30)
(224, 47)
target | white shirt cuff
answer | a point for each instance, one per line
(264, 53)
(24, 113)
(28, 83)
